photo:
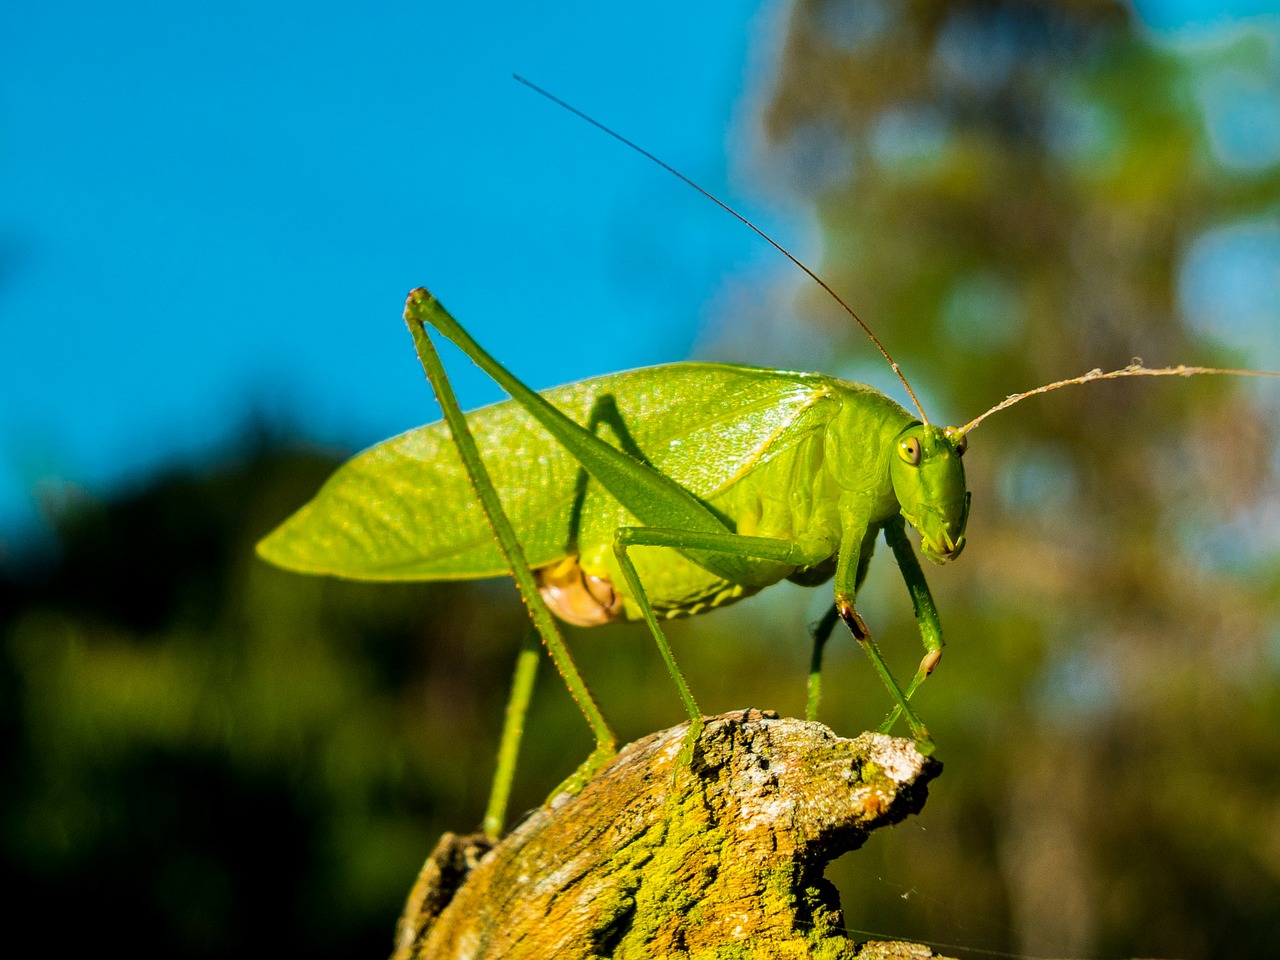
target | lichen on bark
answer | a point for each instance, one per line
(656, 857)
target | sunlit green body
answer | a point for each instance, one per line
(648, 494)
(771, 451)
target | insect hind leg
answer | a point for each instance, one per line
(422, 309)
(758, 548)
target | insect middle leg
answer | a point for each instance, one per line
(742, 547)
(822, 631)
(686, 541)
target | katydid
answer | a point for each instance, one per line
(658, 492)
(655, 493)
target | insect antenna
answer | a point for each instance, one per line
(1135, 369)
(734, 213)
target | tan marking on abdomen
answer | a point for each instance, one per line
(577, 597)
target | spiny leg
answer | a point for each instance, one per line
(636, 588)
(606, 743)
(649, 495)
(926, 610)
(758, 548)
(857, 541)
(872, 649)
(522, 681)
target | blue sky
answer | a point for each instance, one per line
(213, 207)
(209, 209)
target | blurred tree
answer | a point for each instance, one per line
(205, 757)
(1013, 192)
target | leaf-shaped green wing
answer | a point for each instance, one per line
(404, 509)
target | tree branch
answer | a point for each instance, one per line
(655, 858)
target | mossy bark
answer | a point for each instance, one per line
(655, 857)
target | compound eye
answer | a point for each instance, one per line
(909, 450)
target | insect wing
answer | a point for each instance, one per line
(404, 509)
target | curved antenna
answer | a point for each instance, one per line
(1135, 369)
(757, 230)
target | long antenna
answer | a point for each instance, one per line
(1135, 369)
(728, 209)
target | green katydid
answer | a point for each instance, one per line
(728, 479)
(654, 493)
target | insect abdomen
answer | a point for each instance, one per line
(578, 597)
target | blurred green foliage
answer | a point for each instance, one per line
(203, 756)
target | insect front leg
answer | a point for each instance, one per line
(856, 528)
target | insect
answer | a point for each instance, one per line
(654, 493)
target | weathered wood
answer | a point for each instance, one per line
(658, 858)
